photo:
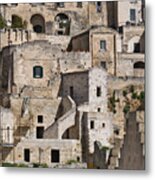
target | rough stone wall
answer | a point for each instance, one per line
(40, 151)
(131, 35)
(102, 125)
(7, 127)
(97, 18)
(97, 79)
(48, 108)
(79, 82)
(132, 150)
(49, 13)
(124, 8)
(125, 65)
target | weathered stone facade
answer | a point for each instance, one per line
(71, 77)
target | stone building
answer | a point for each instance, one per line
(72, 84)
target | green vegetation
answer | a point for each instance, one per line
(112, 103)
(126, 108)
(72, 161)
(38, 165)
(134, 95)
(14, 165)
(17, 22)
(104, 148)
(2, 22)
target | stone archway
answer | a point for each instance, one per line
(38, 23)
(62, 24)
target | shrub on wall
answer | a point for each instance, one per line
(17, 22)
(2, 22)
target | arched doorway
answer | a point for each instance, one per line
(38, 23)
(63, 22)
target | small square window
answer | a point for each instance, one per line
(40, 119)
(103, 45)
(91, 124)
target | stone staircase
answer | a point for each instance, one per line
(67, 120)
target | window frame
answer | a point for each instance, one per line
(103, 45)
(132, 16)
(35, 74)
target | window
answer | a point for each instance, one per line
(91, 124)
(103, 45)
(79, 4)
(40, 119)
(40, 132)
(71, 91)
(103, 125)
(136, 47)
(61, 4)
(98, 91)
(55, 156)
(99, 109)
(139, 65)
(103, 64)
(99, 6)
(8, 134)
(37, 72)
(132, 15)
(116, 131)
(27, 155)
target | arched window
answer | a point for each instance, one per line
(64, 24)
(139, 65)
(37, 72)
(38, 23)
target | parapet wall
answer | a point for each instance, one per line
(19, 36)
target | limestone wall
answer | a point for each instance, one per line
(124, 11)
(40, 151)
(125, 65)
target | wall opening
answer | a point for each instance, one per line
(40, 119)
(39, 132)
(91, 124)
(99, 6)
(37, 72)
(98, 91)
(60, 4)
(17, 22)
(139, 65)
(27, 155)
(55, 156)
(71, 91)
(132, 15)
(63, 24)
(38, 23)
(8, 134)
(103, 45)
(79, 4)
(136, 47)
